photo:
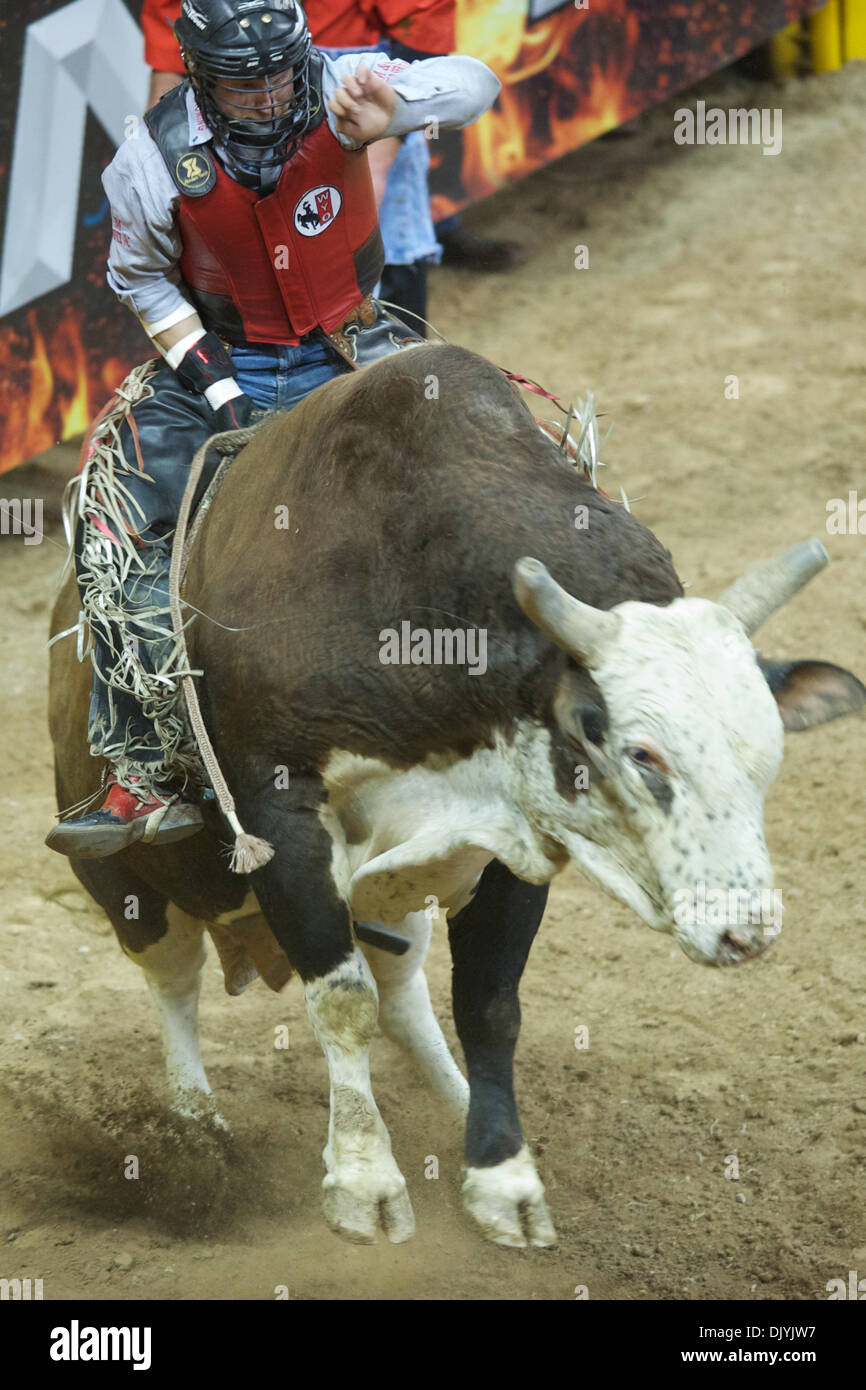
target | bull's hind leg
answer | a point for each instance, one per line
(299, 898)
(406, 1014)
(173, 968)
(168, 944)
(490, 940)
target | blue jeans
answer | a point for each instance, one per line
(278, 377)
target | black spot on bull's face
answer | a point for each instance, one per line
(656, 775)
(678, 730)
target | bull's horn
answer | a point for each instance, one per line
(586, 633)
(764, 589)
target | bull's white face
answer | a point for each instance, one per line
(672, 820)
(669, 779)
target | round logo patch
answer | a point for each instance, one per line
(316, 210)
(193, 171)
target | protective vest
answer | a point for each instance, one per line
(271, 269)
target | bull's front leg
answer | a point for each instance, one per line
(490, 940)
(296, 891)
(363, 1182)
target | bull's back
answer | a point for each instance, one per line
(403, 492)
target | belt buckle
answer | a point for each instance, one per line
(364, 314)
(345, 336)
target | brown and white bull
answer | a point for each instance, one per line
(612, 723)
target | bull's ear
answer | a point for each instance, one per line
(579, 709)
(810, 693)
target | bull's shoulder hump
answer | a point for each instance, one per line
(444, 359)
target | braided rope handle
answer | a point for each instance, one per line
(248, 852)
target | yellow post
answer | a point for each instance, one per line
(854, 29)
(825, 29)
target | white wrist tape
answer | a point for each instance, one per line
(186, 311)
(175, 355)
(222, 391)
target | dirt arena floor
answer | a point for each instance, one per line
(705, 263)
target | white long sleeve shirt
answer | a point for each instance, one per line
(146, 244)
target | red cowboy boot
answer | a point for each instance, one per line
(151, 815)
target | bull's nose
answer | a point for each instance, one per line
(738, 944)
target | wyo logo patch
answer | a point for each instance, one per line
(316, 210)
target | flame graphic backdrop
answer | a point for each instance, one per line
(567, 77)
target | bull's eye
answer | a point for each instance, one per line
(647, 759)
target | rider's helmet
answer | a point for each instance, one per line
(248, 63)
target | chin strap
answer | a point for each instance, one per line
(252, 174)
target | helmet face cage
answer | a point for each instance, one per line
(238, 71)
(279, 108)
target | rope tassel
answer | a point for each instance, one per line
(249, 851)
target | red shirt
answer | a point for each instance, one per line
(427, 25)
(333, 24)
(160, 45)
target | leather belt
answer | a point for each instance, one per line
(364, 315)
(366, 334)
(370, 332)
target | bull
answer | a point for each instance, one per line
(616, 724)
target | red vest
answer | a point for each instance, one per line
(269, 270)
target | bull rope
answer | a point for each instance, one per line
(249, 852)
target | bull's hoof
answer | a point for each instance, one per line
(356, 1204)
(200, 1108)
(508, 1202)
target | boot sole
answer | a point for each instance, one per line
(99, 842)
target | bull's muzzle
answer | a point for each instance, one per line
(741, 943)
